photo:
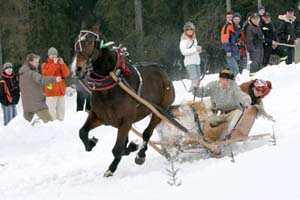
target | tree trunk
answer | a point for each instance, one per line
(139, 27)
(259, 3)
(185, 10)
(228, 5)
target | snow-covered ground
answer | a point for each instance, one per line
(48, 161)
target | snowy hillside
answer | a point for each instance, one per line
(48, 161)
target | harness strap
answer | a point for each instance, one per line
(139, 90)
(196, 119)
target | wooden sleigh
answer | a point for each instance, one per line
(192, 135)
(194, 116)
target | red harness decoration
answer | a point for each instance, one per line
(106, 83)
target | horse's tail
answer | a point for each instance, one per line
(170, 117)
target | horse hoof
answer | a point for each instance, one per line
(108, 173)
(139, 160)
(133, 147)
(91, 144)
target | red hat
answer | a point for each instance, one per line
(260, 85)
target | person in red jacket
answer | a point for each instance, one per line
(55, 92)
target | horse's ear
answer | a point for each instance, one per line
(96, 28)
(83, 24)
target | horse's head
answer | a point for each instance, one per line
(87, 50)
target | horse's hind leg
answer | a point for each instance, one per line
(141, 155)
(91, 123)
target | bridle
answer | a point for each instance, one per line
(90, 58)
(92, 80)
(99, 44)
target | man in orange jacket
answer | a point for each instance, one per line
(55, 92)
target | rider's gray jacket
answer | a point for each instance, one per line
(224, 99)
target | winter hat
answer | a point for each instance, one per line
(261, 85)
(260, 8)
(269, 84)
(266, 14)
(52, 51)
(188, 25)
(249, 15)
(255, 15)
(237, 14)
(227, 73)
(7, 65)
(290, 10)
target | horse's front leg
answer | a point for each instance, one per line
(120, 148)
(141, 155)
(91, 123)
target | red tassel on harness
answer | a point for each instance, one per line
(124, 68)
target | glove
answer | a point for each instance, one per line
(265, 115)
(247, 105)
(268, 117)
(199, 49)
(258, 106)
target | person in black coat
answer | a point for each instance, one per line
(288, 31)
(83, 97)
(271, 40)
(254, 43)
(297, 12)
(9, 92)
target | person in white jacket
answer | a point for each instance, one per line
(190, 50)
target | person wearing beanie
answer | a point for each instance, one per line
(240, 41)
(288, 31)
(255, 40)
(261, 10)
(9, 92)
(238, 15)
(258, 89)
(190, 49)
(55, 92)
(227, 100)
(229, 42)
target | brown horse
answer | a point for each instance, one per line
(111, 105)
